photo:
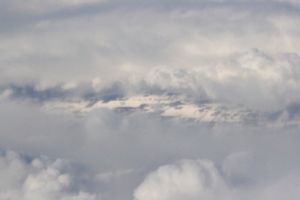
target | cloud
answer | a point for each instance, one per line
(33, 7)
(237, 80)
(232, 52)
(138, 37)
(186, 179)
(120, 149)
(202, 179)
(24, 177)
(26, 128)
(287, 187)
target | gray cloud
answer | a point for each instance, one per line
(120, 149)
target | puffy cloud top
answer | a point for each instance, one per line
(24, 178)
(185, 180)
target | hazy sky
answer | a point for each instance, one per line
(241, 52)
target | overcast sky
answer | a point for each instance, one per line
(238, 52)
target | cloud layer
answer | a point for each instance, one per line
(235, 52)
(119, 150)
(110, 40)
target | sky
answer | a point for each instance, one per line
(238, 52)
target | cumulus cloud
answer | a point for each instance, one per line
(186, 179)
(25, 177)
(238, 80)
(202, 179)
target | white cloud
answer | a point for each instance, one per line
(239, 79)
(24, 178)
(202, 179)
(185, 180)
